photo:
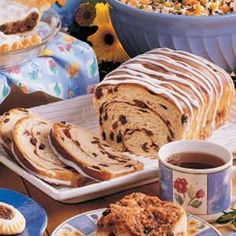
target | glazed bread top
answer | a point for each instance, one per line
(190, 82)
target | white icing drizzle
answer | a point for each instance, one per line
(205, 64)
(211, 83)
(208, 85)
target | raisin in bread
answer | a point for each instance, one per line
(162, 96)
(7, 123)
(142, 215)
(32, 150)
(84, 151)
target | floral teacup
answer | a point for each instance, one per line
(202, 192)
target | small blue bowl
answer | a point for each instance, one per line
(212, 37)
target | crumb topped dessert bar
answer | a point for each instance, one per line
(140, 215)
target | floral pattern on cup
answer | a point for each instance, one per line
(183, 188)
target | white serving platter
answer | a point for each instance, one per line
(80, 111)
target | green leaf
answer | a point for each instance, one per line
(227, 217)
(93, 68)
(5, 90)
(179, 199)
(33, 75)
(196, 203)
(57, 90)
(191, 192)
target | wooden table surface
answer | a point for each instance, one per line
(59, 212)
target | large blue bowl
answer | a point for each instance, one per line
(212, 37)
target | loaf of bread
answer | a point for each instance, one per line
(139, 214)
(7, 123)
(162, 96)
(83, 151)
(32, 150)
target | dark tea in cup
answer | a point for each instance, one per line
(195, 160)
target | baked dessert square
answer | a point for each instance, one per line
(140, 215)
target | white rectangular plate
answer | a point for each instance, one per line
(80, 111)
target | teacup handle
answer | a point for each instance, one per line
(233, 175)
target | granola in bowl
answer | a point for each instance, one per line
(186, 7)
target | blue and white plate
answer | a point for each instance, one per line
(85, 224)
(35, 215)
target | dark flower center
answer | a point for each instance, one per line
(109, 39)
(87, 15)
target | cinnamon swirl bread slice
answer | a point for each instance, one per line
(32, 150)
(79, 147)
(7, 123)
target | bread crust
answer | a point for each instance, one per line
(5, 137)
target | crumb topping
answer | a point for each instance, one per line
(141, 215)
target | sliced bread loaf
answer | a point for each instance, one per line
(80, 148)
(7, 123)
(32, 150)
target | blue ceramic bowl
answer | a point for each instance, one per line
(212, 37)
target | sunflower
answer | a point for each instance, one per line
(85, 14)
(105, 42)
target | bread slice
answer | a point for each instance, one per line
(139, 214)
(7, 123)
(82, 149)
(32, 150)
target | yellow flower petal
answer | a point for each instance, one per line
(105, 42)
(46, 52)
(102, 14)
(71, 93)
(68, 38)
(73, 69)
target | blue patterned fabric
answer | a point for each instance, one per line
(66, 68)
